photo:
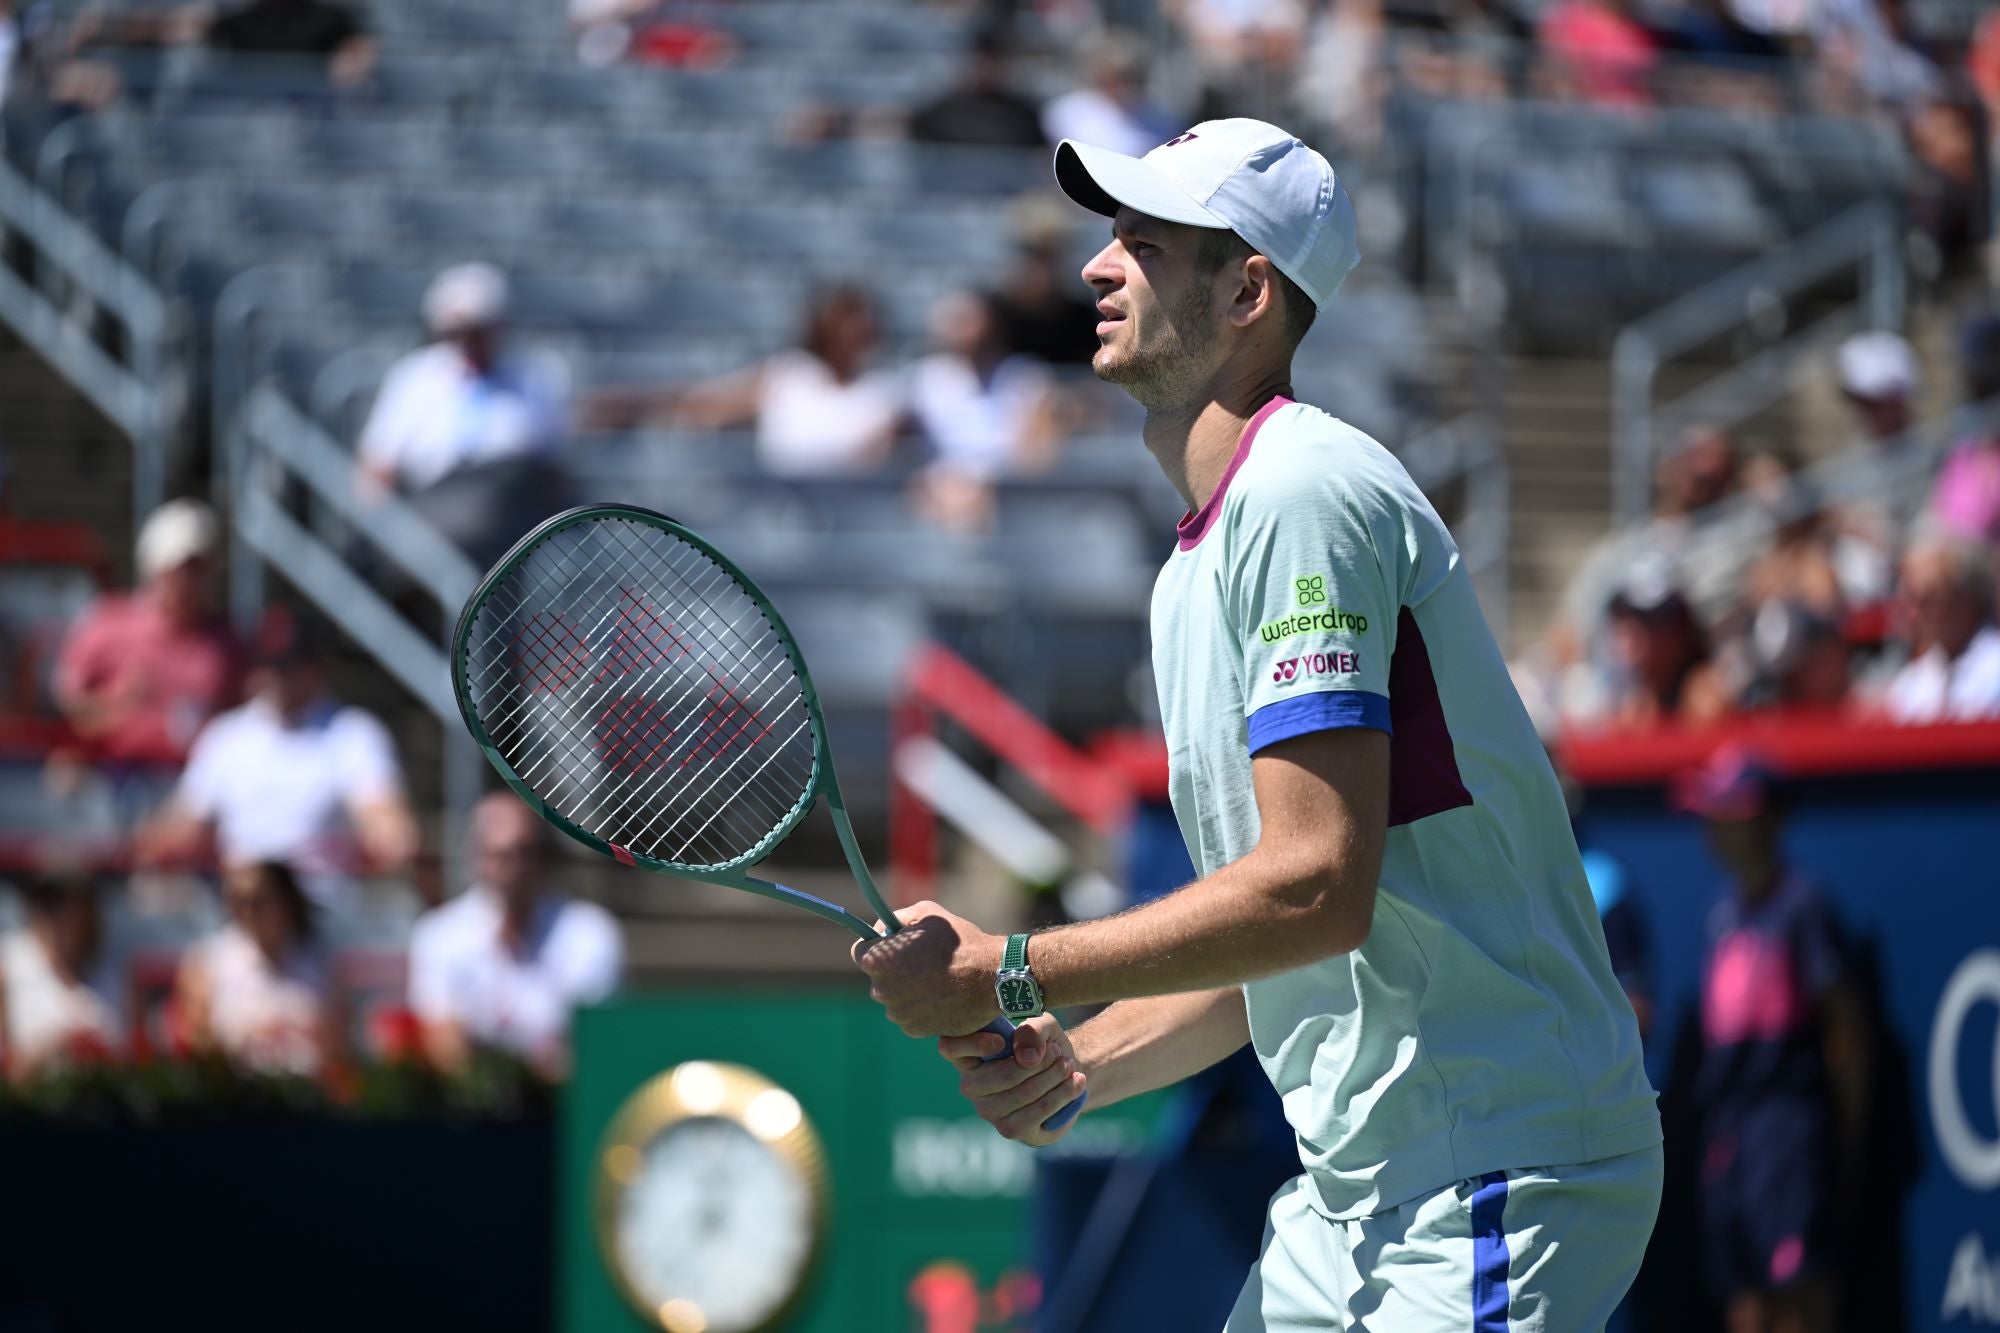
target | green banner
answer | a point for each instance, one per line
(924, 1223)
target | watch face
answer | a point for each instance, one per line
(715, 1222)
(1020, 995)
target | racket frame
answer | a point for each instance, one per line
(823, 782)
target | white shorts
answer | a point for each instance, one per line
(1546, 1250)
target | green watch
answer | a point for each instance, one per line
(1019, 993)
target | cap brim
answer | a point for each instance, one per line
(1103, 182)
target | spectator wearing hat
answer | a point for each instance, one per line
(984, 108)
(261, 990)
(1947, 604)
(1661, 669)
(1040, 310)
(1966, 499)
(293, 775)
(1878, 377)
(1781, 1084)
(141, 673)
(505, 963)
(467, 431)
(53, 1005)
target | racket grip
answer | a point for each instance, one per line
(1060, 1118)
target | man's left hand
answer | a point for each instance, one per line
(935, 976)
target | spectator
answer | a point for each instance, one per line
(818, 408)
(287, 775)
(985, 411)
(1040, 308)
(1954, 674)
(1879, 378)
(643, 31)
(10, 45)
(139, 675)
(52, 1005)
(1661, 668)
(299, 27)
(983, 108)
(1797, 659)
(466, 429)
(1239, 43)
(1966, 500)
(257, 27)
(1782, 1080)
(1598, 52)
(261, 990)
(1111, 109)
(505, 963)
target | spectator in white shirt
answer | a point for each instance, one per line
(1947, 593)
(261, 989)
(52, 1003)
(1111, 109)
(505, 963)
(986, 412)
(468, 431)
(819, 408)
(293, 775)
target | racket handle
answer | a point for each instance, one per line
(1060, 1118)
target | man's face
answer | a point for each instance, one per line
(507, 851)
(1941, 610)
(1162, 321)
(182, 591)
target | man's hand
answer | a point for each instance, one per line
(1015, 1096)
(935, 975)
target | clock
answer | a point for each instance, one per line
(711, 1200)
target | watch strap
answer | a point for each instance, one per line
(1015, 956)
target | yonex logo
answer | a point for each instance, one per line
(1180, 139)
(1312, 591)
(1287, 670)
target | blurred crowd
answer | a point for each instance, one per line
(1864, 586)
(262, 804)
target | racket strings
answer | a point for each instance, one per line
(634, 684)
(629, 719)
(638, 730)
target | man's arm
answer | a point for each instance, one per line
(1304, 893)
(1131, 1048)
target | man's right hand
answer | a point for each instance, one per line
(1015, 1096)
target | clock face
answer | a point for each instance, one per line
(1017, 995)
(715, 1228)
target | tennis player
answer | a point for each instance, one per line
(1391, 906)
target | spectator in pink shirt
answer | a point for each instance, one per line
(1599, 52)
(141, 673)
(1966, 500)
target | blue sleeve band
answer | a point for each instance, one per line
(1328, 710)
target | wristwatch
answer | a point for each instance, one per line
(1020, 994)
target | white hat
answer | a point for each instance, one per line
(175, 533)
(1878, 365)
(465, 296)
(1244, 176)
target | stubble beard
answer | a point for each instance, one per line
(1165, 371)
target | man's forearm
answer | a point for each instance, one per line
(1254, 918)
(1136, 1046)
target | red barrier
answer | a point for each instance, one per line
(1797, 745)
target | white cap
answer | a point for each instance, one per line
(175, 533)
(465, 296)
(1878, 365)
(1244, 176)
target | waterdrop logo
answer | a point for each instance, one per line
(1312, 590)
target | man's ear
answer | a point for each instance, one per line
(1256, 295)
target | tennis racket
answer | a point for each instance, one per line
(644, 696)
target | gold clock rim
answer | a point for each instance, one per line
(659, 1104)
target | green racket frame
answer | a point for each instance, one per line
(823, 781)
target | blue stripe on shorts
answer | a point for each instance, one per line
(1489, 1254)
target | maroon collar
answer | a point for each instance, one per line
(1195, 525)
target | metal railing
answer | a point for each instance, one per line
(1867, 236)
(66, 282)
(1466, 452)
(272, 447)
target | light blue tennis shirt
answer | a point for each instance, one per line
(1479, 1028)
